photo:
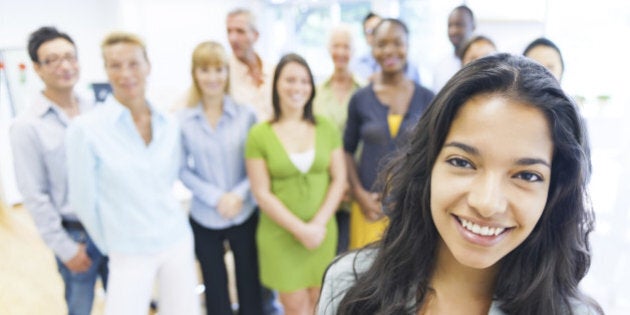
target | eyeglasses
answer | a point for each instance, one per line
(55, 61)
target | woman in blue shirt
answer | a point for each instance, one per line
(214, 130)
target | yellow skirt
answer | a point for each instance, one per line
(362, 231)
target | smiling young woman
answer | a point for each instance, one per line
(297, 174)
(487, 205)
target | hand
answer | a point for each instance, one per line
(370, 204)
(347, 195)
(311, 235)
(230, 205)
(81, 262)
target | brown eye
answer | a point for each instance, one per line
(459, 162)
(529, 177)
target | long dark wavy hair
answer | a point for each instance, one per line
(275, 97)
(541, 275)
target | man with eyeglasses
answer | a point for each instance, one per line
(37, 139)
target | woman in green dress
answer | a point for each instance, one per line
(296, 168)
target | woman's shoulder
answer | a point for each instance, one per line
(584, 307)
(578, 307)
(324, 122)
(187, 113)
(364, 92)
(239, 108)
(423, 91)
(260, 126)
(345, 269)
(340, 276)
(360, 260)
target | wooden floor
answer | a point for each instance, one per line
(29, 281)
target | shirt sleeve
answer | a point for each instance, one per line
(243, 188)
(253, 146)
(32, 181)
(340, 276)
(201, 189)
(333, 135)
(327, 305)
(353, 125)
(82, 166)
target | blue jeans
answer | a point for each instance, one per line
(80, 286)
(271, 304)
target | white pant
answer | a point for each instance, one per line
(131, 279)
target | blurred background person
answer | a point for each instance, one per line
(477, 47)
(331, 101)
(461, 25)
(37, 139)
(250, 85)
(214, 131)
(250, 76)
(297, 173)
(548, 54)
(380, 116)
(365, 66)
(123, 160)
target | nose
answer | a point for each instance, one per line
(66, 63)
(232, 36)
(487, 195)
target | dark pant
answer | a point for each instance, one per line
(79, 286)
(343, 227)
(210, 253)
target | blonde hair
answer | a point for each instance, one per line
(206, 54)
(343, 29)
(118, 37)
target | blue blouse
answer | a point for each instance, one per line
(120, 187)
(214, 162)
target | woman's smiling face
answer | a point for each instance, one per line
(490, 181)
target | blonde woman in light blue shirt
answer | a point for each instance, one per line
(214, 130)
(123, 160)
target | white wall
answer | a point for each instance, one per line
(171, 30)
(85, 20)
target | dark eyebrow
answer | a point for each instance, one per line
(532, 161)
(468, 149)
(474, 151)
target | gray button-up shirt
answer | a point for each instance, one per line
(37, 140)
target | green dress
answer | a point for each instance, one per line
(285, 264)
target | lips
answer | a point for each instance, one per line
(390, 62)
(481, 234)
(298, 98)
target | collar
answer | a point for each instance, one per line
(355, 81)
(43, 105)
(115, 111)
(240, 67)
(229, 109)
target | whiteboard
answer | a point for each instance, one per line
(18, 84)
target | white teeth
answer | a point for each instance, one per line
(481, 230)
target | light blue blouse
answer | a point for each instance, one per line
(214, 162)
(121, 188)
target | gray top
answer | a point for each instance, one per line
(340, 276)
(37, 141)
